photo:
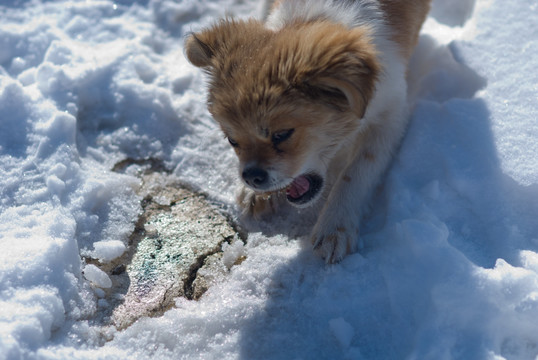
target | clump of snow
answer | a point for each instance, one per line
(232, 252)
(453, 13)
(29, 319)
(450, 263)
(97, 276)
(107, 250)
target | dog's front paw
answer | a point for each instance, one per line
(257, 205)
(333, 244)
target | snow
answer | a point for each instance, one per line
(449, 268)
(108, 250)
(97, 276)
(232, 252)
(342, 331)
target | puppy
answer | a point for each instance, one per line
(313, 101)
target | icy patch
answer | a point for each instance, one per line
(179, 248)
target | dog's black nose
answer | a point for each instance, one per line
(255, 177)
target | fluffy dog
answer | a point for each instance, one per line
(313, 101)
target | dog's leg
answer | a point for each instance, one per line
(257, 205)
(336, 232)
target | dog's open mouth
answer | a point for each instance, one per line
(304, 189)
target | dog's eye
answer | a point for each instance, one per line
(281, 136)
(233, 142)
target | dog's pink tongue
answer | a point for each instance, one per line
(298, 187)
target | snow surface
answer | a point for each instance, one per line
(450, 264)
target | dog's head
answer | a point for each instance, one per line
(287, 100)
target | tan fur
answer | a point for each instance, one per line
(313, 83)
(249, 63)
(303, 77)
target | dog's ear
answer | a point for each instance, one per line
(199, 49)
(337, 65)
(353, 82)
(227, 38)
